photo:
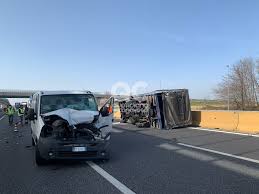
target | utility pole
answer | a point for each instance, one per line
(228, 86)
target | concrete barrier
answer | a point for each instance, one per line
(248, 122)
(237, 121)
(117, 115)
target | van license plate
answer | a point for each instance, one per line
(79, 149)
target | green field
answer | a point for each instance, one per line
(198, 104)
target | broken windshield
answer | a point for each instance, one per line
(51, 103)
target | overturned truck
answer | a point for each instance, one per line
(163, 109)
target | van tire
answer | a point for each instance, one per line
(107, 157)
(38, 159)
(32, 141)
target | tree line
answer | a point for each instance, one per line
(240, 85)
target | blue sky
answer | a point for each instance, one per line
(83, 44)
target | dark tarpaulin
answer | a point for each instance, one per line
(176, 109)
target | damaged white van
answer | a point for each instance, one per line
(68, 125)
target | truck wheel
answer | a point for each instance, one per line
(39, 160)
(32, 141)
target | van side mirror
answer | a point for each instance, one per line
(31, 115)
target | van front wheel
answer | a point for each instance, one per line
(39, 160)
(32, 141)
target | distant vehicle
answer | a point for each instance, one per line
(68, 125)
(24, 103)
(29, 102)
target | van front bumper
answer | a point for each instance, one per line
(51, 148)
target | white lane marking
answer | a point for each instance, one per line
(242, 169)
(196, 155)
(192, 154)
(220, 153)
(228, 165)
(219, 131)
(116, 130)
(168, 146)
(2, 117)
(110, 178)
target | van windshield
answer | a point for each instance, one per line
(51, 103)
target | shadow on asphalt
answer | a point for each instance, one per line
(63, 164)
(226, 141)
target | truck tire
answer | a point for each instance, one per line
(38, 159)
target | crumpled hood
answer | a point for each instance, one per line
(74, 117)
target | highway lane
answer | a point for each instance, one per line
(241, 145)
(147, 167)
(144, 163)
(1, 114)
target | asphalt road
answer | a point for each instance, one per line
(1, 113)
(143, 161)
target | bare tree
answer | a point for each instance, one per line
(242, 84)
(257, 70)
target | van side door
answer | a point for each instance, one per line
(106, 118)
(36, 123)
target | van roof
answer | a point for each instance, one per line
(42, 93)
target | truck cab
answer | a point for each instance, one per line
(68, 125)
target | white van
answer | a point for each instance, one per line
(68, 125)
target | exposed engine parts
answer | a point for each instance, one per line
(60, 128)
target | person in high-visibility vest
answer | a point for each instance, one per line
(21, 114)
(26, 113)
(10, 113)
